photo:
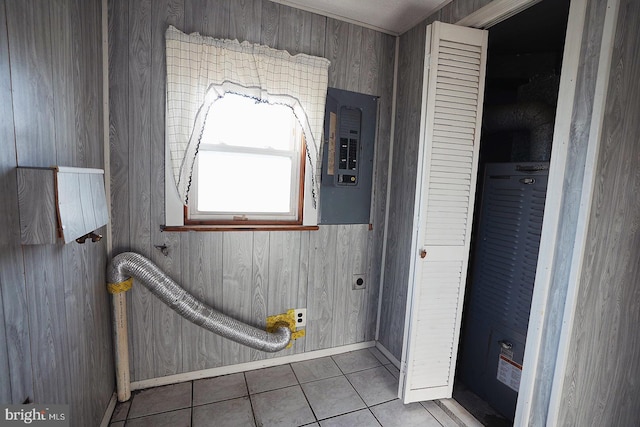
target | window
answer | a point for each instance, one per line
(250, 165)
(244, 168)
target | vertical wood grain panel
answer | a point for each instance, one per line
(284, 272)
(139, 177)
(29, 27)
(359, 300)
(118, 21)
(600, 386)
(243, 15)
(303, 283)
(94, 332)
(402, 190)
(87, 76)
(209, 17)
(5, 372)
(167, 324)
(370, 62)
(336, 45)
(8, 221)
(237, 301)
(98, 299)
(36, 199)
(381, 168)
(119, 123)
(320, 291)
(16, 319)
(270, 19)
(63, 89)
(354, 52)
(12, 283)
(368, 80)
(318, 28)
(342, 284)
(259, 284)
(294, 31)
(47, 324)
(74, 271)
(202, 349)
(30, 49)
(284, 267)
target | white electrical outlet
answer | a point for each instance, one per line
(301, 317)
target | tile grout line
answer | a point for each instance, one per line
(337, 376)
(253, 412)
(305, 395)
(191, 411)
(192, 405)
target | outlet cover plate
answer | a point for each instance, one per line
(300, 315)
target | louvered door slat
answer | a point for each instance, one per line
(453, 88)
(452, 117)
(462, 123)
(454, 102)
(449, 60)
(455, 112)
(461, 49)
(455, 69)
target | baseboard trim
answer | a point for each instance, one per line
(108, 413)
(249, 366)
(388, 355)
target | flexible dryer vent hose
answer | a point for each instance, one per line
(129, 264)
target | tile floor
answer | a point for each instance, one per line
(350, 389)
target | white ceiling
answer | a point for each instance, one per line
(389, 16)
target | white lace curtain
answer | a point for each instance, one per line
(201, 69)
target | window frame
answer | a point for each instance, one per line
(292, 218)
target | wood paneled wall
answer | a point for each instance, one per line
(249, 275)
(401, 203)
(404, 170)
(601, 382)
(55, 344)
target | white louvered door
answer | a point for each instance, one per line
(450, 137)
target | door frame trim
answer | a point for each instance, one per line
(495, 12)
(584, 214)
(491, 14)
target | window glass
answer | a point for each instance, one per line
(248, 163)
(242, 122)
(241, 182)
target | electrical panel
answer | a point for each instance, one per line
(347, 163)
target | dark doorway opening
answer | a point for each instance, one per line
(523, 75)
